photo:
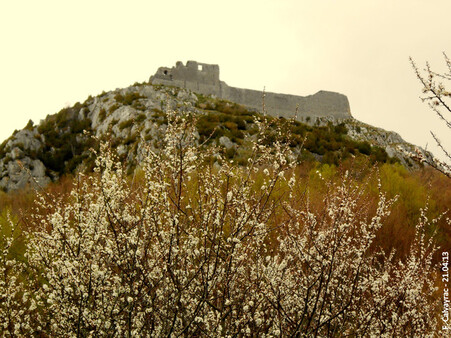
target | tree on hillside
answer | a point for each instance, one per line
(438, 98)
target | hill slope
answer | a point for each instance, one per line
(61, 143)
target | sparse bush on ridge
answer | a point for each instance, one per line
(102, 115)
(128, 98)
(113, 108)
(330, 142)
(126, 124)
(195, 249)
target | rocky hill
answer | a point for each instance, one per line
(60, 144)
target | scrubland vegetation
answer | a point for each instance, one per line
(194, 244)
(65, 145)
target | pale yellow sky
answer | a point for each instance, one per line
(55, 52)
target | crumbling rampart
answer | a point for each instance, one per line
(204, 78)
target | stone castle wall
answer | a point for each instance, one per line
(204, 78)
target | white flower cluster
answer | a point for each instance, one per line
(218, 254)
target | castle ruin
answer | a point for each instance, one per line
(204, 79)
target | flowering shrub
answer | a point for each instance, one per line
(201, 247)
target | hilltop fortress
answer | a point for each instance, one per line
(204, 78)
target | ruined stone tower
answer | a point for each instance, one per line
(204, 78)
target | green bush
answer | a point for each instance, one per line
(141, 118)
(125, 124)
(102, 115)
(128, 98)
(138, 106)
(379, 154)
(341, 129)
(29, 125)
(113, 108)
(119, 97)
(364, 148)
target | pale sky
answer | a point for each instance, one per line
(55, 53)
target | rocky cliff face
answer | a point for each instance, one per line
(60, 144)
(390, 141)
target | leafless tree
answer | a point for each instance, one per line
(437, 96)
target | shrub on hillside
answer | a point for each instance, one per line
(201, 247)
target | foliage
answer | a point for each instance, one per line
(29, 125)
(65, 144)
(102, 114)
(197, 246)
(128, 99)
(223, 118)
(140, 118)
(125, 124)
(113, 108)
